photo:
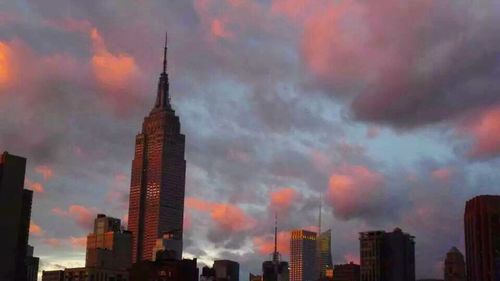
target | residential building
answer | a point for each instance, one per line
(454, 266)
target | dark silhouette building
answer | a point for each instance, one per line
(454, 266)
(346, 272)
(15, 213)
(303, 256)
(157, 184)
(53, 275)
(226, 270)
(164, 269)
(31, 265)
(482, 238)
(387, 256)
(252, 277)
(207, 274)
(275, 269)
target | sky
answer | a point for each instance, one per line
(388, 110)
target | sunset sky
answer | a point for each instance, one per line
(390, 109)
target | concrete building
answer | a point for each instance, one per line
(346, 272)
(303, 256)
(387, 256)
(15, 213)
(226, 270)
(454, 266)
(53, 275)
(157, 185)
(482, 238)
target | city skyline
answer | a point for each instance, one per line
(270, 124)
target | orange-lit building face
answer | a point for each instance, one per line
(302, 255)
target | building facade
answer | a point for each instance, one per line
(226, 270)
(15, 213)
(387, 256)
(324, 253)
(108, 247)
(303, 256)
(482, 238)
(157, 184)
(346, 272)
(31, 265)
(165, 270)
(53, 275)
(454, 266)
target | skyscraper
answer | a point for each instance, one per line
(157, 184)
(387, 256)
(303, 256)
(454, 266)
(324, 252)
(226, 270)
(482, 238)
(15, 214)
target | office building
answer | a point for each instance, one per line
(169, 245)
(226, 270)
(324, 253)
(482, 238)
(387, 256)
(346, 272)
(454, 266)
(15, 213)
(157, 186)
(108, 247)
(303, 256)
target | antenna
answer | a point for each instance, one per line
(320, 209)
(165, 53)
(275, 254)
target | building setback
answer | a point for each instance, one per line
(454, 266)
(157, 184)
(303, 256)
(482, 238)
(15, 213)
(387, 256)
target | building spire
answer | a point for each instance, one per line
(165, 53)
(275, 253)
(320, 209)
(163, 96)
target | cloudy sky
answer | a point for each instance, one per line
(390, 109)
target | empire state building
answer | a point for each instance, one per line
(157, 185)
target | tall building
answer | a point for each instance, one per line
(108, 247)
(346, 272)
(157, 184)
(31, 265)
(226, 270)
(275, 269)
(482, 238)
(303, 256)
(15, 213)
(324, 253)
(454, 266)
(387, 256)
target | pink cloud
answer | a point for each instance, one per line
(35, 186)
(227, 216)
(219, 29)
(83, 216)
(265, 244)
(5, 63)
(283, 199)
(485, 133)
(45, 171)
(35, 229)
(355, 190)
(78, 242)
(54, 242)
(351, 257)
(442, 174)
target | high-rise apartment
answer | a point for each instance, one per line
(15, 213)
(387, 256)
(303, 255)
(157, 186)
(454, 266)
(482, 238)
